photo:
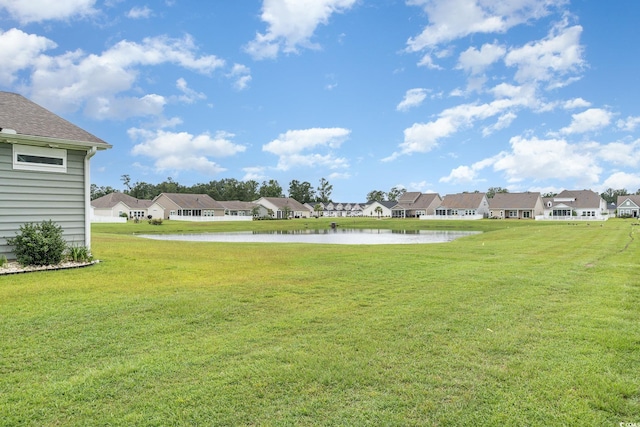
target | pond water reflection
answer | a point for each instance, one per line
(338, 236)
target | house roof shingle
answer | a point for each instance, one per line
(30, 119)
(462, 200)
(281, 202)
(579, 199)
(236, 205)
(526, 200)
(192, 201)
(633, 197)
(110, 200)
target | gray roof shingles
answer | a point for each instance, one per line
(526, 200)
(29, 119)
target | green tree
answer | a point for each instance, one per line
(126, 181)
(144, 191)
(97, 192)
(378, 210)
(395, 193)
(493, 190)
(318, 208)
(271, 189)
(324, 191)
(249, 191)
(301, 191)
(170, 186)
(376, 196)
(611, 196)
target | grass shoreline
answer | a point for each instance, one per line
(526, 324)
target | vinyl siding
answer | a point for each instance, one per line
(30, 196)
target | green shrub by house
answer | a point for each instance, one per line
(39, 244)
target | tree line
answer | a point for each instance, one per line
(224, 189)
(303, 192)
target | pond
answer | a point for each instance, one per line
(338, 236)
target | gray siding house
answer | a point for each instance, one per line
(44, 171)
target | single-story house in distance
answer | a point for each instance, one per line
(414, 204)
(461, 206)
(371, 209)
(185, 206)
(332, 209)
(44, 171)
(239, 208)
(284, 207)
(114, 205)
(575, 204)
(629, 206)
(516, 205)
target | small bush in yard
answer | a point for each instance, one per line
(39, 244)
(3, 261)
(155, 221)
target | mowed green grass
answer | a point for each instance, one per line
(525, 324)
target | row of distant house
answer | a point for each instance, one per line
(45, 175)
(579, 204)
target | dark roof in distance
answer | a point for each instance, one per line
(29, 119)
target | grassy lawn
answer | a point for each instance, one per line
(525, 324)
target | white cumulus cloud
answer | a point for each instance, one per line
(291, 25)
(413, 98)
(182, 151)
(139, 12)
(476, 61)
(19, 51)
(293, 148)
(588, 121)
(97, 83)
(26, 11)
(453, 19)
(559, 54)
(619, 180)
(539, 159)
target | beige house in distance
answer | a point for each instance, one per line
(284, 207)
(185, 206)
(516, 205)
(414, 204)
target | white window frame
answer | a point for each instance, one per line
(28, 150)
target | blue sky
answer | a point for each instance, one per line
(431, 95)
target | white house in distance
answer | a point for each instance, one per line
(284, 207)
(371, 209)
(461, 206)
(44, 170)
(115, 205)
(575, 205)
